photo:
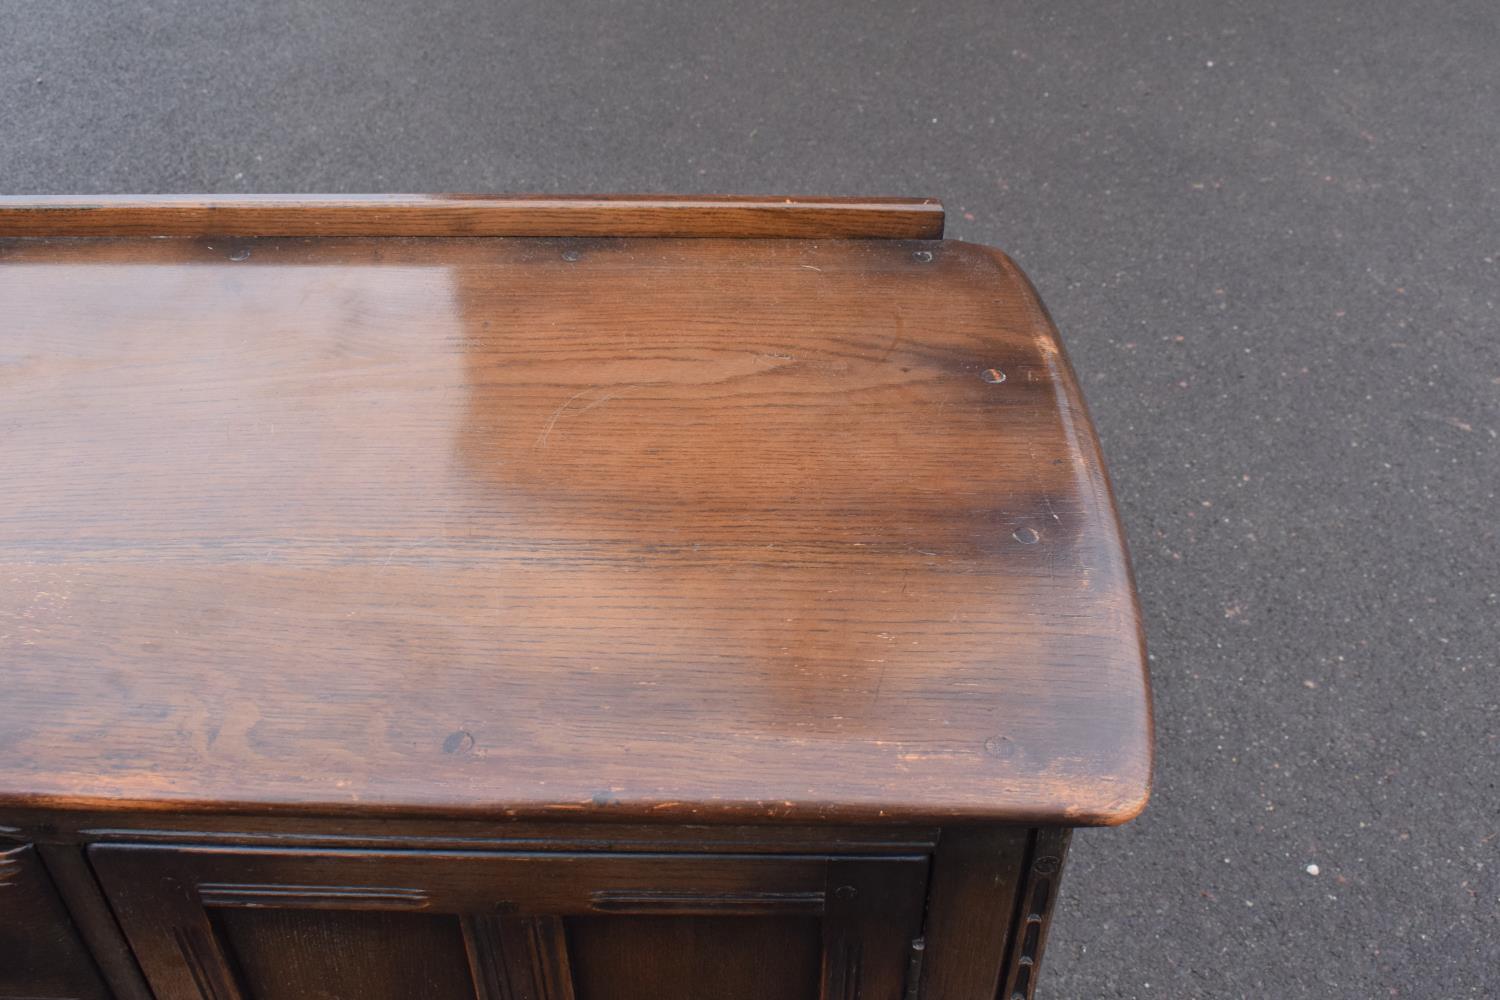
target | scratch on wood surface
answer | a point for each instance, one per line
(557, 414)
(541, 440)
(613, 395)
(900, 335)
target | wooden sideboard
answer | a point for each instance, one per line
(424, 598)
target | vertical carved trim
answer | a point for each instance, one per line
(514, 958)
(841, 966)
(847, 911)
(872, 916)
(486, 963)
(205, 962)
(1038, 898)
(977, 875)
(79, 890)
(549, 950)
(192, 957)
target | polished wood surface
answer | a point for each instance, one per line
(470, 215)
(386, 617)
(600, 528)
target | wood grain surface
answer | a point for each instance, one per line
(733, 530)
(469, 215)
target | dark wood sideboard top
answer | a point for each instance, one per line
(702, 524)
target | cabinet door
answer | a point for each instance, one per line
(41, 956)
(276, 924)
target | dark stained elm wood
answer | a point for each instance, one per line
(91, 914)
(312, 914)
(804, 531)
(518, 957)
(436, 833)
(464, 881)
(1035, 907)
(41, 956)
(470, 215)
(391, 612)
(872, 922)
(727, 958)
(971, 905)
(295, 954)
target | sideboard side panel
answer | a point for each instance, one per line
(1038, 901)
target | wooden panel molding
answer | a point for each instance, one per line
(518, 958)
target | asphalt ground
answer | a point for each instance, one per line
(1269, 233)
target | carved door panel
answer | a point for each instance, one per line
(276, 924)
(41, 956)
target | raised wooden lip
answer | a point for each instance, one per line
(298, 215)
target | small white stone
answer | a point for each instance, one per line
(1313, 869)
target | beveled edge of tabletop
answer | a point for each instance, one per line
(1122, 805)
(1080, 424)
(1105, 810)
(626, 215)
